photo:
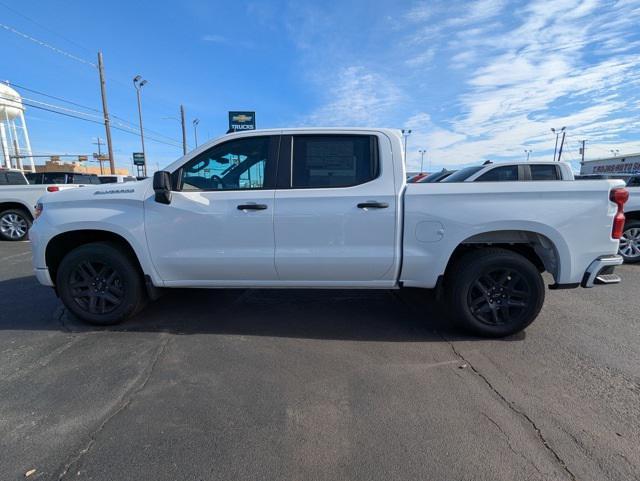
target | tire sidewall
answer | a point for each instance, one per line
(472, 268)
(24, 216)
(108, 254)
(630, 225)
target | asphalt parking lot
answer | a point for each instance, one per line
(243, 385)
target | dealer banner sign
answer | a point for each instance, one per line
(242, 121)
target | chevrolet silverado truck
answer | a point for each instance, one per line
(326, 208)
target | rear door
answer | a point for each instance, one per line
(335, 210)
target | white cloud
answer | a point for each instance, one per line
(356, 97)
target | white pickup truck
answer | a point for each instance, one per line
(326, 208)
(17, 207)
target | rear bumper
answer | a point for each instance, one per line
(601, 270)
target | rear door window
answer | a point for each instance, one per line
(328, 161)
(500, 174)
(544, 172)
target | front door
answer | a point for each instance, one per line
(335, 217)
(218, 227)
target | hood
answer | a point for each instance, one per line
(96, 193)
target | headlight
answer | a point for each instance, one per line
(38, 210)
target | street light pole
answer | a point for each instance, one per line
(557, 132)
(422, 152)
(405, 134)
(138, 83)
(528, 152)
(195, 130)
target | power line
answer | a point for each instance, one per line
(47, 45)
(123, 122)
(70, 102)
(128, 131)
(44, 27)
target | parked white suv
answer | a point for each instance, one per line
(325, 208)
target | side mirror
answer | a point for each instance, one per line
(162, 186)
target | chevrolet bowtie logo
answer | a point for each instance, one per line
(241, 118)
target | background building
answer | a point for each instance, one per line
(620, 164)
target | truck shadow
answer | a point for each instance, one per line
(410, 315)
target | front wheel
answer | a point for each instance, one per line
(100, 284)
(494, 292)
(630, 242)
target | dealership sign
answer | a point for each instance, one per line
(612, 165)
(242, 121)
(138, 158)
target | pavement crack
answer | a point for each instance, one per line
(513, 408)
(508, 440)
(124, 403)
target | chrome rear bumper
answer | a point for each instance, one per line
(600, 271)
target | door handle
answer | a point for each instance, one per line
(373, 205)
(252, 206)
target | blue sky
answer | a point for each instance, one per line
(473, 80)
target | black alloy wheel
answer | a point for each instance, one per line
(494, 292)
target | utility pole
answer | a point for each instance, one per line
(582, 151)
(105, 113)
(184, 130)
(99, 143)
(564, 133)
(138, 83)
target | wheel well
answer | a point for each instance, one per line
(15, 205)
(632, 215)
(62, 244)
(537, 248)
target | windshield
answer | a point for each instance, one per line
(436, 177)
(463, 174)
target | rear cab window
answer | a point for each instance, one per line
(544, 172)
(330, 161)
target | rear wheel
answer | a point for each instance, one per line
(100, 284)
(14, 224)
(630, 242)
(494, 292)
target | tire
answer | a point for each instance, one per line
(494, 292)
(14, 224)
(100, 284)
(630, 242)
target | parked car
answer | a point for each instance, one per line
(514, 171)
(417, 177)
(436, 176)
(38, 178)
(630, 240)
(116, 179)
(17, 206)
(325, 208)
